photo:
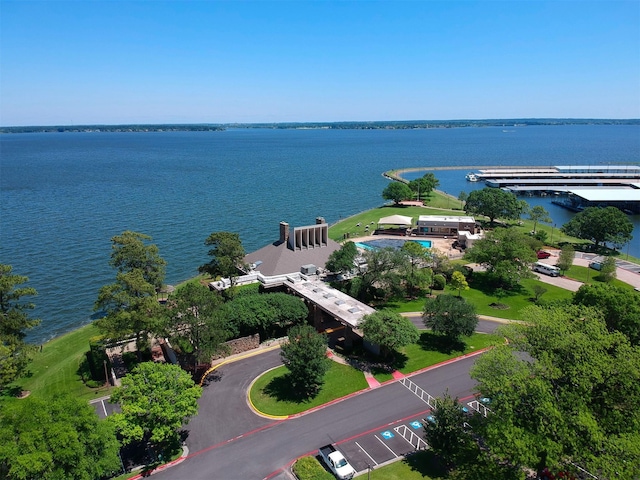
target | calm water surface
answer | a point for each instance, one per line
(64, 195)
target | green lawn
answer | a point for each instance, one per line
(418, 466)
(482, 296)
(350, 225)
(271, 393)
(592, 277)
(55, 369)
(430, 350)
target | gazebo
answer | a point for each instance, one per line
(396, 221)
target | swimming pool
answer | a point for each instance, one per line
(390, 242)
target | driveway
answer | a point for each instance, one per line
(267, 448)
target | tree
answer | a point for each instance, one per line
(342, 260)
(450, 317)
(416, 277)
(129, 253)
(440, 263)
(600, 225)
(263, 313)
(459, 282)
(227, 255)
(305, 355)
(156, 400)
(565, 259)
(424, 185)
(445, 432)
(388, 329)
(397, 191)
(192, 313)
(463, 196)
(619, 307)
(493, 203)
(130, 304)
(538, 291)
(55, 438)
(574, 397)
(15, 353)
(380, 274)
(608, 269)
(538, 214)
(506, 254)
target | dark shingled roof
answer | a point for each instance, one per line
(278, 259)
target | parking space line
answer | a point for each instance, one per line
(479, 407)
(412, 434)
(365, 452)
(394, 453)
(418, 392)
(104, 408)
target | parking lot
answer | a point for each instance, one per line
(388, 443)
(380, 447)
(103, 407)
(395, 440)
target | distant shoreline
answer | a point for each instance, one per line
(375, 125)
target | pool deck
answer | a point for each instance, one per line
(443, 245)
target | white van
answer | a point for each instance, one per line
(546, 269)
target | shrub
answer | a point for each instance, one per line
(309, 468)
(439, 282)
(541, 235)
(92, 366)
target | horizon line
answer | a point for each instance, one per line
(337, 122)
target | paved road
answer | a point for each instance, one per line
(626, 271)
(258, 448)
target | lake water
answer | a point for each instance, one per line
(64, 195)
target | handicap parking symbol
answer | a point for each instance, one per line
(387, 434)
(416, 425)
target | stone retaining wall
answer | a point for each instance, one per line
(240, 345)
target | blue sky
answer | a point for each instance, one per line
(118, 62)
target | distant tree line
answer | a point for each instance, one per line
(112, 128)
(390, 125)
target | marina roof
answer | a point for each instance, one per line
(607, 194)
(599, 168)
(556, 182)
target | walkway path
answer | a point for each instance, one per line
(364, 367)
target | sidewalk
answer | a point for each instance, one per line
(364, 368)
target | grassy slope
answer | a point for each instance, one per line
(55, 369)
